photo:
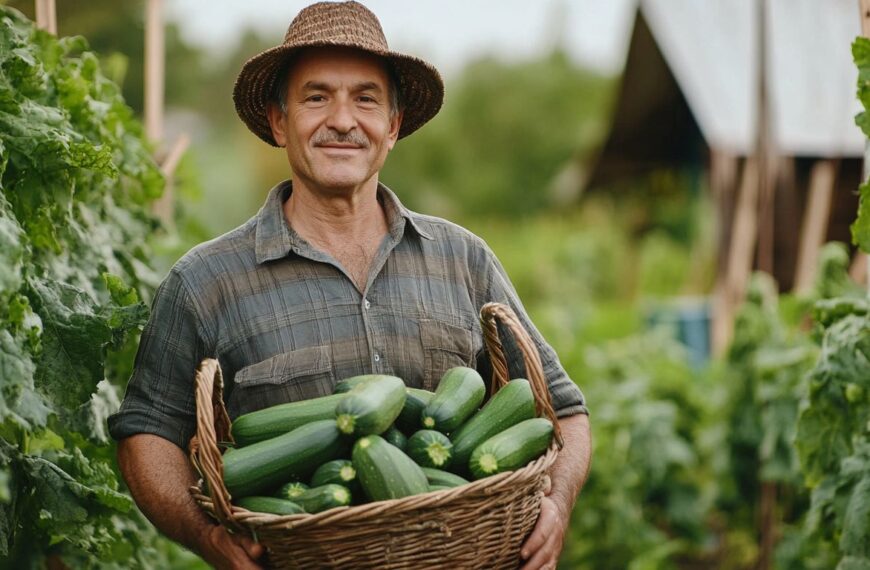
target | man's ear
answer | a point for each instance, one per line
(278, 123)
(395, 125)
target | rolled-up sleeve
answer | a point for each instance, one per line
(567, 398)
(160, 394)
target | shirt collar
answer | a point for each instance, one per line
(275, 238)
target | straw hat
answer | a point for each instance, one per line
(348, 24)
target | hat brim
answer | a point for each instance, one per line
(419, 83)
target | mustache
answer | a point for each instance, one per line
(329, 136)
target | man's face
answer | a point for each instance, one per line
(338, 128)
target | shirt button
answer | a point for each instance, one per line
(367, 304)
(377, 357)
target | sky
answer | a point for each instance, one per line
(447, 33)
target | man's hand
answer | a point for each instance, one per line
(231, 551)
(159, 475)
(542, 548)
(567, 476)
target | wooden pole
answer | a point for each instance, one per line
(764, 152)
(724, 168)
(154, 69)
(814, 228)
(744, 230)
(155, 58)
(46, 16)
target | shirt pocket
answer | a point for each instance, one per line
(291, 376)
(445, 346)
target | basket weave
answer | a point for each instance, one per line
(479, 525)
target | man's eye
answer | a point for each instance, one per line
(316, 98)
(367, 99)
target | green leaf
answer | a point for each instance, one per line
(823, 438)
(18, 400)
(121, 293)
(861, 226)
(856, 523)
(74, 340)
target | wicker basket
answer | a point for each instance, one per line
(480, 525)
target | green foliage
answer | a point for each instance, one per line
(834, 440)
(76, 179)
(646, 500)
(861, 57)
(505, 134)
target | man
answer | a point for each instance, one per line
(332, 278)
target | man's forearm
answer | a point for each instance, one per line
(571, 468)
(159, 476)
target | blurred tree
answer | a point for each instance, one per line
(506, 131)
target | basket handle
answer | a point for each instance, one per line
(212, 426)
(490, 313)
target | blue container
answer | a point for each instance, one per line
(688, 319)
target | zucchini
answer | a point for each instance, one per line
(512, 448)
(348, 384)
(337, 471)
(442, 478)
(430, 448)
(323, 498)
(263, 466)
(385, 472)
(415, 400)
(439, 488)
(458, 395)
(271, 505)
(291, 490)
(371, 407)
(397, 438)
(277, 420)
(509, 406)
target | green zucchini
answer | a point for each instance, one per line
(371, 407)
(509, 406)
(442, 478)
(271, 505)
(415, 400)
(291, 490)
(277, 420)
(323, 498)
(385, 472)
(430, 448)
(265, 465)
(396, 437)
(348, 384)
(511, 449)
(458, 395)
(439, 488)
(337, 471)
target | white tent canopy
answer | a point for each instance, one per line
(711, 47)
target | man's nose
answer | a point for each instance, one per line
(341, 116)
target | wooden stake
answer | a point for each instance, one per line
(865, 17)
(154, 70)
(46, 16)
(732, 286)
(814, 228)
(154, 98)
(765, 154)
(164, 207)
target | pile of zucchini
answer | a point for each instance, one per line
(376, 439)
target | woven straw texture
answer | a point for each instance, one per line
(347, 24)
(479, 525)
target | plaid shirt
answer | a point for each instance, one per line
(286, 322)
